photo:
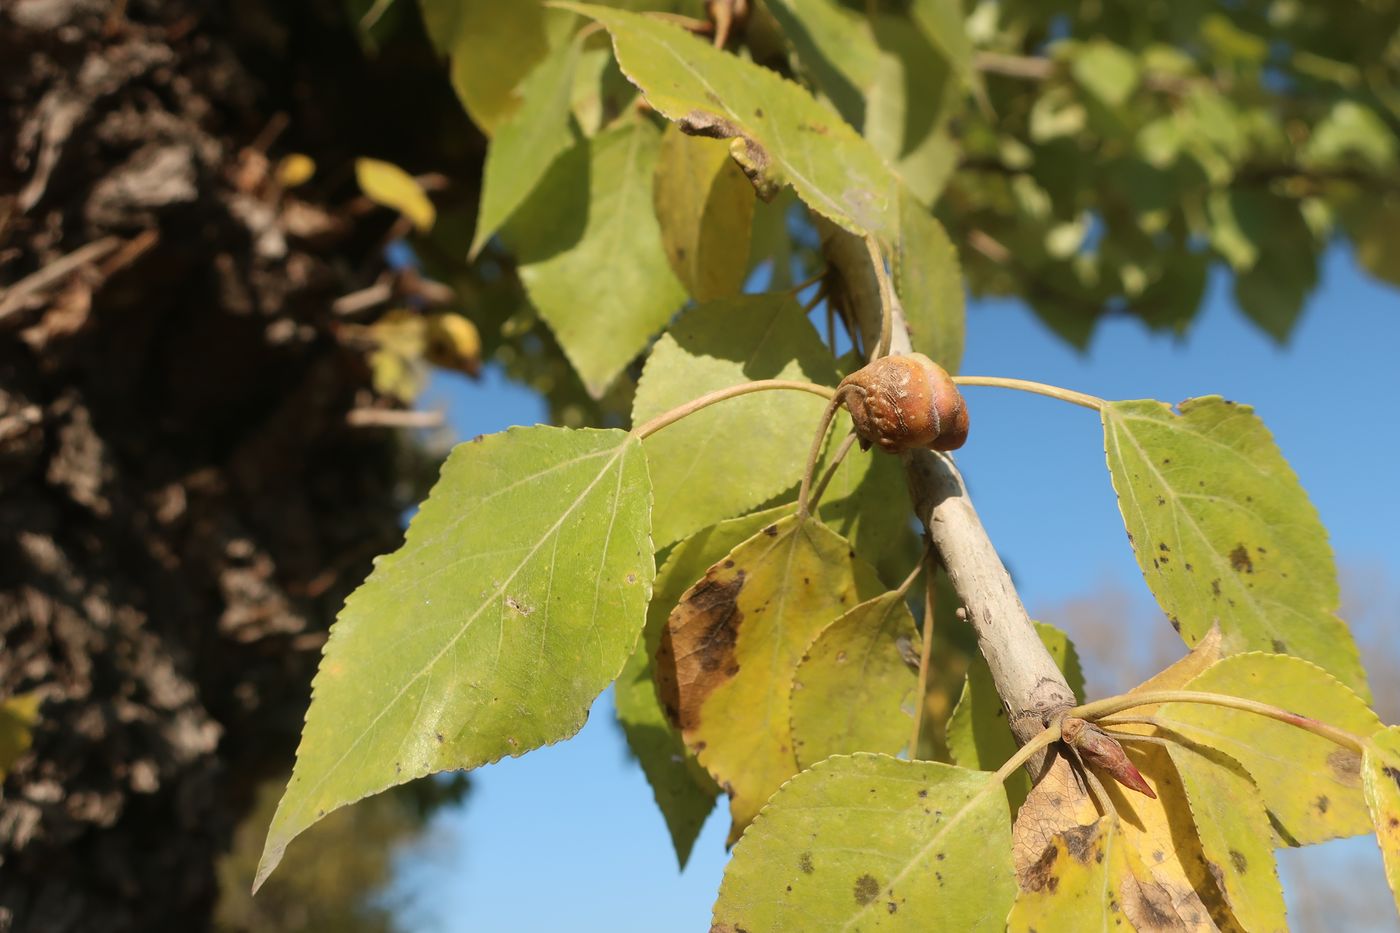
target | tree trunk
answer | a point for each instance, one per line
(183, 505)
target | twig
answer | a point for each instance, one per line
(925, 655)
(18, 296)
(1032, 688)
(392, 418)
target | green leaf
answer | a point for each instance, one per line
(1351, 132)
(492, 46)
(928, 279)
(705, 207)
(1236, 837)
(942, 22)
(978, 733)
(871, 842)
(1311, 786)
(528, 141)
(1380, 770)
(1107, 71)
(518, 594)
(836, 46)
(854, 688)
(18, 714)
(781, 134)
(683, 790)
(732, 645)
(732, 456)
(390, 186)
(590, 252)
(1224, 533)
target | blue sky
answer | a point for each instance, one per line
(568, 836)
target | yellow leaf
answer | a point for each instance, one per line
(296, 168)
(731, 647)
(17, 716)
(453, 343)
(390, 186)
(1381, 774)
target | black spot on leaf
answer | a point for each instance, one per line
(867, 889)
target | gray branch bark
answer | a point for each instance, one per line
(1031, 687)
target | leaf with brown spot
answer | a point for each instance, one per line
(1381, 778)
(869, 842)
(1236, 837)
(684, 791)
(853, 690)
(1293, 769)
(1087, 879)
(730, 649)
(1173, 892)
(1224, 532)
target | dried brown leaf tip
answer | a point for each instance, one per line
(1102, 751)
(900, 403)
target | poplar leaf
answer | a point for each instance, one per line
(527, 142)
(390, 186)
(1311, 786)
(18, 714)
(684, 792)
(854, 688)
(1236, 837)
(739, 453)
(870, 842)
(518, 594)
(928, 280)
(731, 647)
(781, 134)
(1380, 770)
(1089, 878)
(590, 253)
(1224, 533)
(705, 207)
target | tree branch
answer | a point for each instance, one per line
(1031, 687)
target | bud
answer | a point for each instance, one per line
(900, 403)
(1101, 750)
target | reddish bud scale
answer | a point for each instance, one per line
(900, 403)
(1101, 750)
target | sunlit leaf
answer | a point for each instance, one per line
(1380, 769)
(867, 503)
(928, 279)
(492, 47)
(1090, 878)
(18, 714)
(683, 790)
(979, 735)
(1224, 532)
(528, 141)
(781, 134)
(942, 22)
(1311, 786)
(739, 453)
(705, 207)
(390, 186)
(874, 843)
(730, 649)
(854, 688)
(1161, 877)
(1236, 837)
(590, 252)
(518, 594)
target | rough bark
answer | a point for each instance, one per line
(183, 504)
